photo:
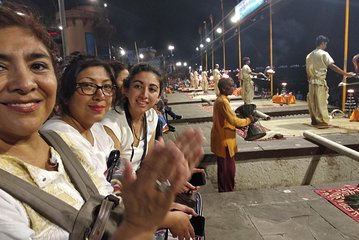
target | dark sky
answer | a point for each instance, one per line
(165, 22)
(296, 23)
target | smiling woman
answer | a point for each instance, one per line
(133, 121)
(27, 97)
(85, 95)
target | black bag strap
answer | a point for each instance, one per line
(50, 207)
(78, 175)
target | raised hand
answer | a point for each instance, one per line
(147, 197)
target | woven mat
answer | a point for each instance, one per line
(242, 132)
(336, 197)
(206, 108)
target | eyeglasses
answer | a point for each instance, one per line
(90, 89)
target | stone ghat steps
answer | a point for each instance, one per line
(295, 213)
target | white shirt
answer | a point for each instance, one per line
(317, 63)
(117, 122)
(14, 218)
(97, 153)
(246, 73)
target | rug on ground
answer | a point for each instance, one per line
(337, 195)
(242, 132)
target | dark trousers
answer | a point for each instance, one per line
(226, 171)
(168, 110)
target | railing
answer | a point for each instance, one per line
(332, 145)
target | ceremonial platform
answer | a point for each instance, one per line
(275, 178)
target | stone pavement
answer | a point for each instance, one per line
(276, 178)
(290, 213)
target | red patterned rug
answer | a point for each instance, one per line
(336, 197)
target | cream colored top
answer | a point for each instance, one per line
(246, 73)
(18, 220)
(317, 63)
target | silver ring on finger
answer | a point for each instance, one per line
(163, 186)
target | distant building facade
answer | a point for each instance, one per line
(87, 31)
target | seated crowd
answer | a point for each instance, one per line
(97, 108)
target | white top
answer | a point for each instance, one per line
(17, 220)
(216, 74)
(246, 73)
(117, 122)
(97, 153)
(317, 63)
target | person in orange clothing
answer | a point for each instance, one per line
(223, 135)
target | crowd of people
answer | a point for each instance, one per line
(100, 108)
(76, 104)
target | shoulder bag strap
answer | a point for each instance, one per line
(50, 207)
(78, 175)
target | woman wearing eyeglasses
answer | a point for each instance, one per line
(87, 86)
(85, 95)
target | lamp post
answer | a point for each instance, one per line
(201, 47)
(206, 43)
(223, 40)
(212, 31)
(171, 48)
(346, 35)
(63, 26)
(208, 40)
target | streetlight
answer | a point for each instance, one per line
(235, 18)
(201, 46)
(219, 30)
(171, 48)
(208, 40)
(141, 56)
(122, 52)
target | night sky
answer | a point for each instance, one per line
(296, 23)
(158, 23)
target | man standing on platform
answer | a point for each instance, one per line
(195, 79)
(191, 77)
(216, 76)
(247, 90)
(317, 63)
(204, 81)
(223, 135)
